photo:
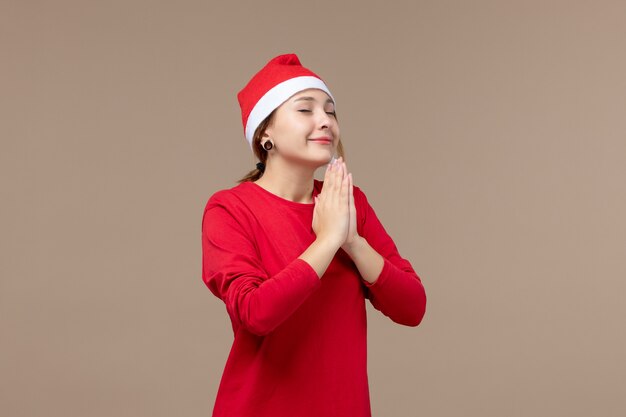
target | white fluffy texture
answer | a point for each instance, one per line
(277, 96)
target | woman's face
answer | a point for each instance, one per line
(304, 129)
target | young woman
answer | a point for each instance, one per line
(294, 259)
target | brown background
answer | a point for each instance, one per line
(490, 138)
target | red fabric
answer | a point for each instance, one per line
(277, 70)
(299, 344)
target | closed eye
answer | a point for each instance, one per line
(334, 114)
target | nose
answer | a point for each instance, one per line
(324, 120)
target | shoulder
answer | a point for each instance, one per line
(359, 194)
(231, 205)
(228, 211)
(230, 197)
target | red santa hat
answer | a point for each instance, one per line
(281, 78)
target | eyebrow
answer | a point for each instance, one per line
(313, 99)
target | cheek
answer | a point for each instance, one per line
(292, 131)
(292, 125)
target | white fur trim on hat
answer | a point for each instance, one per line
(276, 96)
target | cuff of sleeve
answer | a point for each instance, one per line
(307, 271)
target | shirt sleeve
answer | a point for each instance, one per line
(232, 270)
(398, 291)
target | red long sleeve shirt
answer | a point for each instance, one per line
(299, 344)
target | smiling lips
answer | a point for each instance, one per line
(323, 140)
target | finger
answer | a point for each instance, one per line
(345, 189)
(351, 182)
(340, 172)
(318, 206)
(314, 219)
(335, 183)
(351, 192)
(350, 188)
(344, 172)
(328, 176)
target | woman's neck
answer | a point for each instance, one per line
(293, 183)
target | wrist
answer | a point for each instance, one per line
(328, 242)
(353, 247)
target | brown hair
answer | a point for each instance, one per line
(261, 153)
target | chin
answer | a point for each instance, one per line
(325, 159)
(317, 163)
(317, 160)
